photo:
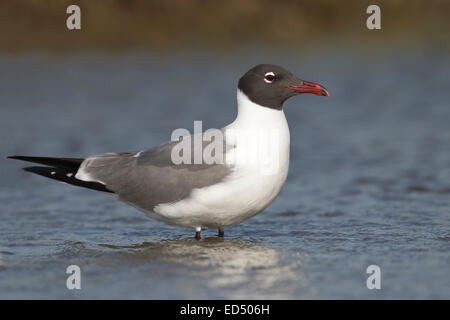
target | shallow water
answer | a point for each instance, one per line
(369, 179)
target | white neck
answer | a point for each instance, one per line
(252, 115)
(258, 127)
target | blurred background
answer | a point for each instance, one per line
(369, 179)
(214, 25)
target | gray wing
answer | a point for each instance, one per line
(148, 178)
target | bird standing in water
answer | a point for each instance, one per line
(202, 194)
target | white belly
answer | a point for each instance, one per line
(242, 195)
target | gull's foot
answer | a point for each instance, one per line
(197, 233)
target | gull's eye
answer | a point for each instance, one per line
(269, 77)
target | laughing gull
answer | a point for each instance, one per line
(199, 194)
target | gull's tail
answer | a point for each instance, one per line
(61, 169)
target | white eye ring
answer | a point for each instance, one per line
(269, 77)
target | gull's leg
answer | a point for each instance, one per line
(197, 233)
(221, 232)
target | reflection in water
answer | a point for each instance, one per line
(237, 269)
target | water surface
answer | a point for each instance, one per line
(369, 179)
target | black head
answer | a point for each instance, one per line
(269, 86)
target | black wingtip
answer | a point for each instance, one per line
(68, 163)
(66, 176)
(30, 169)
(18, 158)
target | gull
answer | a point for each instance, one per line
(200, 194)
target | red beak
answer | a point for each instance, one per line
(310, 87)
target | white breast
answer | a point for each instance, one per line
(260, 162)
